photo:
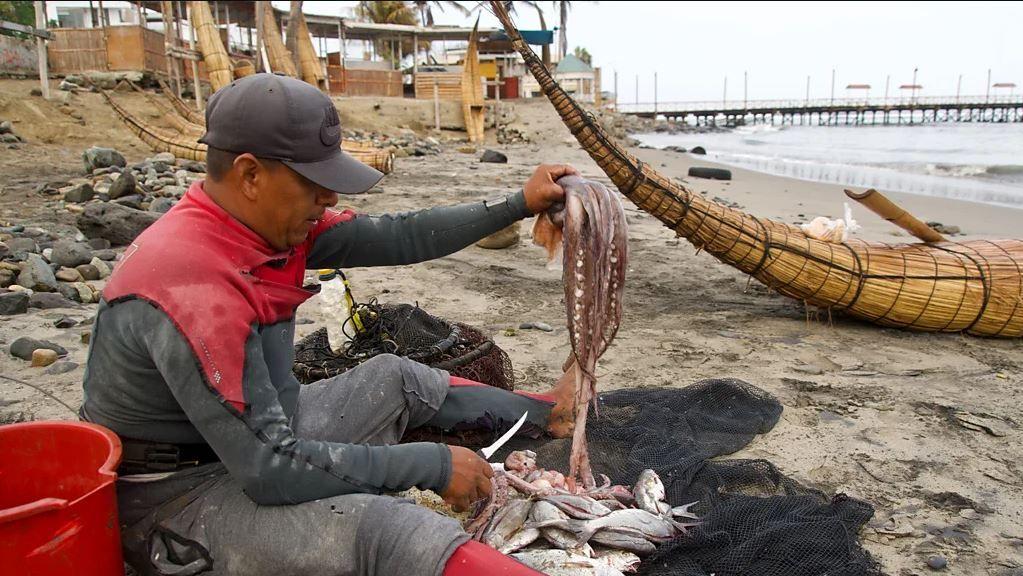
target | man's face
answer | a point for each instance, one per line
(289, 206)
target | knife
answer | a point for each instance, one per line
(489, 451)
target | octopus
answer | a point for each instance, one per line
(590, 231)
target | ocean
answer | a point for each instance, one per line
(973, 162)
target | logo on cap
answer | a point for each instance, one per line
(330, 130)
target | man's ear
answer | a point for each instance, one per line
(251, 174)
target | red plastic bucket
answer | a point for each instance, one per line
(58, 506)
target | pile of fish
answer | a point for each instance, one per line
(544, 520)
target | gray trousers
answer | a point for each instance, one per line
(199, 521)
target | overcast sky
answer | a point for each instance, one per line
(693, 46)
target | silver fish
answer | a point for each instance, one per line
(649, 491)
(683, 511)
(559, 538)
(524, 537)
(619, 560)
(612, 504)
(579, 507)
(507, 521)
(650, 526)
(623, 540)
(561, 563)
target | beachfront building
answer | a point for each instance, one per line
(578, 78)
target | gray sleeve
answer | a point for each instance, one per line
(411, 237)
(259, 448)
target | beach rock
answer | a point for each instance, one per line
(85, 293)
(105, 255)
(89, 272)
(43, 357)
(86, 337)
(467, 149)
(134, 201)
(69, 292)
(35, 92)
(65, 322)
(937, 562)
(947, 229)
(173, 191)
(70, 254)
(37, 275)
(23, 348)
(99, 244)
(503, 238)
(80, 193)
(23, 245)
(49, 301)
(543, 326)
(164, 157)
(493, 156)
(7, 277)
(6, 127)
(193, 166)
(118, 224)
(102, 268)
(162, 205)
(68, 275)
(97, 157)
(4, 250)
(13, 303)
(123, 186)
(698, 150)
(10, 139)
(60, 368)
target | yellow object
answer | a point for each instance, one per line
(218, 65)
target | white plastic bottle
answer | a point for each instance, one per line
(335, 308)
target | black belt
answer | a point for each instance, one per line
(145, 457)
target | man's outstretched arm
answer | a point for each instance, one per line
(411, 237)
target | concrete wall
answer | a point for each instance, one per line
(18, 57)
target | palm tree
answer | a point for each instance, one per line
(386, 12)
(563, 6)
(426, 13)
(545, 50)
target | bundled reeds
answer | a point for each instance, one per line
(218, 65)
(243, 68)
(180, 105)
(187, 134)
(312, 70)
(974, 286)
(276, 52)
(472, 90)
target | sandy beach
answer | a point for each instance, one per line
(925, 427)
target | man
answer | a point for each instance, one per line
(231, 467)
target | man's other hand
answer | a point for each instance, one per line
(541, 191)
(470, 479)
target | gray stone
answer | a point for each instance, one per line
(68, 86)
(543, 326)
(165, 157)
(13, 303)
(104, 255)
(162, 205)
(60, 368)
(49, 301)
(6, 127)
(174, 191)
(102, 268)
(4, 250)
(69, 292)
(71, 254)
(119, 224)
(66, 322)
(23, 245)
(10, 138)
(133, 201)
(80, 193)
(88, 272)
(23, 348)
(161, 167)
(7, 277)
(937, 562)
(37, 275)
(123, 186)
(68, 275)
(493, 156)
(97, 157)
(107, 170)
(698, 150)
(99, 243)
(193, 166)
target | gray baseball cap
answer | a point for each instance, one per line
(281, 118)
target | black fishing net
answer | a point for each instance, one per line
(754, 520)
(406, 330)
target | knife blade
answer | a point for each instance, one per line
(489, 451)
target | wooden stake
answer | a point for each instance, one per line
(885, 208)
(261, 64)
(436, 106)
(44, 75)
(195, 65)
